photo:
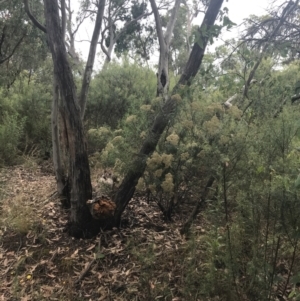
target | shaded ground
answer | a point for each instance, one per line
(147, 259)
(40, 261)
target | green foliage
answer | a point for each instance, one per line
(11, 130)
(98, 138)
(25, 118)
(253, 207)
(23, 46)
(118, 90)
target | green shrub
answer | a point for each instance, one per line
(117, 91)
(11, 131)
(98, 138)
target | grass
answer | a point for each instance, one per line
(18, 214)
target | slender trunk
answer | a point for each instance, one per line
(57, 162)
(163, 80)
(91, 58)
(108, 53)
(127, 187)
(198, 50)
(202, 200)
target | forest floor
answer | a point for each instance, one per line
(146, 260)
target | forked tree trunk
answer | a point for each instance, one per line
(127, 187)
(81, 222)
(163, 80)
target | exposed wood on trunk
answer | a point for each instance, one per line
(163, 81)
(79, 172)
(58, 166)
(91, 58)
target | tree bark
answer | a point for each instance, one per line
(81, 224)
(32, 18)
(58, 166)
(163, 80)
(91, 58)
(198, 50)
(127, 187)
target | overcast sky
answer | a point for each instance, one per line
(238, 10)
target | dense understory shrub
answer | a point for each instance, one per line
(25, 118)
(116, 91)
(11, 132)
(252, 153)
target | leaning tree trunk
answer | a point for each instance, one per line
(127, 187)
(81, 222)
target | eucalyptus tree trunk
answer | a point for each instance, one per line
(79, 172)
(127, 187)
(56, 150)
(91, 58)
(163, 80)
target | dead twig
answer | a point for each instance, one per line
(85, 271)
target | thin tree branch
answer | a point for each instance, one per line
(13, 51)
(91, 58)
(198, 206)
(32, 18)
(63, 18)
(171, 23)
(287, 10)
(126, 25)
(159, 30)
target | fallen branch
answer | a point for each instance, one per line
(85, 271)
(89, 265)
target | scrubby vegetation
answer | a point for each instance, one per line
(215, 215)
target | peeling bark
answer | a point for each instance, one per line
(79, 172)
(58, 166)
(163, 81)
